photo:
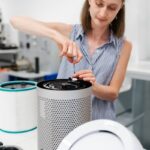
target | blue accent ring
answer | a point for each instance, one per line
(18, 132)
(32, 83)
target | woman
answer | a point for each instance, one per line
(96, 50)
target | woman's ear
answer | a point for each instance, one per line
(89, 2)
(122, 5)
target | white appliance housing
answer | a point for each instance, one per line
(18, 106)
(100, 134)
(61, 110)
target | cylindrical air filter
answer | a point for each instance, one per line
(18, 106)
(63, 104)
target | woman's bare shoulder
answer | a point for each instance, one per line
(127, 44)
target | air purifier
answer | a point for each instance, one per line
(63, 104)
(18, 106)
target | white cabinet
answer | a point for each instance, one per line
(14, 51)
(7, 57)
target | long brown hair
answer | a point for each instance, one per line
(117, 25)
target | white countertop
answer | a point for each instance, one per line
(26, 141)
(25, 74)
(139, 70)
(28, 75)
(11, 51)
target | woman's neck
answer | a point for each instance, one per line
(97, 37)
(100, 34)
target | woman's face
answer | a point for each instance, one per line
(103, 12)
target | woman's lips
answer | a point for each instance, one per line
(102, 20)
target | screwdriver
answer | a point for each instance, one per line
(72, 57)
(74, 68)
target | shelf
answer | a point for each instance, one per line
(128, 120)
(125, 118)
(28, 75)
(12, 51)
(139, 70)
(26, 141)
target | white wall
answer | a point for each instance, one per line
(47, 10)
(137, 18)
(148, 25)
(50, 10)
(137, 28)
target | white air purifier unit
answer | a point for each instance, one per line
(100, 135)
(18, 106)
(63, 105)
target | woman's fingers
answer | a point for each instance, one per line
(92, 80)
(71, 51)
(78, 57)
(74, 50)
(64, 49)
(82, 72)
(86, 75)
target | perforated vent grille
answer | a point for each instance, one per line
(58, 117)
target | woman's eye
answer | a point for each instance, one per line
(112, 8)
(100, 5)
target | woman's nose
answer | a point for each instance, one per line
(102, 12)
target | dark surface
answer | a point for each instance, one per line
(16, 85)
(1, 143)
(9, 148)
(64, 84)
(6, 47)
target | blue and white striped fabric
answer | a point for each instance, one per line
(102, 63)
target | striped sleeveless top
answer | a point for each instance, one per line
(103, 63)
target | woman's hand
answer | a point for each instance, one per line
(69, 49)
(86, 75)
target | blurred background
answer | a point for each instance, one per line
(27, 57)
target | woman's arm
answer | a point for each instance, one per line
(109, 92)
(32, 26)
(58, 32)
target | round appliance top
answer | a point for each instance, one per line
(64, 84)
(12, 86)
